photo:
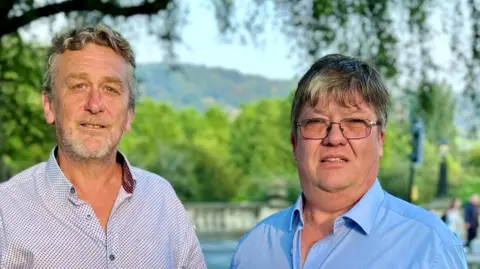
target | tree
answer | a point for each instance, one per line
(15, 14)
(195, 174)
(21, 117)
(219, 131)
(260, 147)
(473, 160)
(210, 131)
(154, 125)
(394, 35)
(436, 106)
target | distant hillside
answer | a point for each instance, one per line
(200, 87)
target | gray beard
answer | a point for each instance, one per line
(78, 153)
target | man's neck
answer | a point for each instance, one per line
(321, 208)
(92, 175)
(321, 215)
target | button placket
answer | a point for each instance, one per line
(112, 244)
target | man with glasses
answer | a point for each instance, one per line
(343, 218)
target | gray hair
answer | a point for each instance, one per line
(76, 39)
(341, 78)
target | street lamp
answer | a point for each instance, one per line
(442, 179)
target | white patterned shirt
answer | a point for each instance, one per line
(43, 224)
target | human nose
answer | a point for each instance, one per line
(334, 135)
(95, 102)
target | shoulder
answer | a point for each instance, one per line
(156, 190)
(421, 220)
(151, 181)
(22, 182)
(266, 234)
(279, 221)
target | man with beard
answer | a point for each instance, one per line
(87, 207)
(343, 218)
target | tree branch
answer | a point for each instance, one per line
(11, 25)
(5, 7)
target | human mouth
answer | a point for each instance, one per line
(334, 160)
(92, 126)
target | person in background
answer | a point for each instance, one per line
(87, 207)
(343, 218)
(453, 217)
(471, 220)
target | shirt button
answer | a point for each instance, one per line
(112, 257)
(72, 190)
(88, 216)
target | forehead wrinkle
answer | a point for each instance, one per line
(77, 75)
(112, 79)
(86, 75)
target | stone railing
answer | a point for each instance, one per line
(220, 218)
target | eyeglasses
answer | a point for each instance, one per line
(351, 128)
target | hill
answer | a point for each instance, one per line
(201, 87)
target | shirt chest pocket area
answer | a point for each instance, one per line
(149, 251)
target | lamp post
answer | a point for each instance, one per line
(442, 179)
(416, 157)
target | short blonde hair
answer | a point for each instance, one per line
(342, 78)
(76, 39)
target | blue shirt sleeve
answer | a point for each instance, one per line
(451, 257)
(233, 263)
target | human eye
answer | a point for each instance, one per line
(355, 127)
(79, 86)
(315, 123)
(355, 121)
(110, 89)
(314, 128)
(317, 120)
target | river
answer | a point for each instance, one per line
(218, 251)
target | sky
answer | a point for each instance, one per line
(201, 45)
(205, 48)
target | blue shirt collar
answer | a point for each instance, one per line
(363, 213)
(297, 213)
(365, 210)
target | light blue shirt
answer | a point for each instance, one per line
(380, 231)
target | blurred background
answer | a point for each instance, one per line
(216, 79)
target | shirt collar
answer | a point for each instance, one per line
(296, 218)
(64, 188)
(363, 212)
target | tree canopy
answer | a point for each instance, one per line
(396, 36)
